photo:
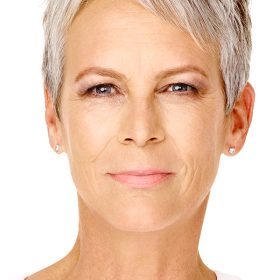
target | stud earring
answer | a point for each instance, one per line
(57, 148)
(231, 150)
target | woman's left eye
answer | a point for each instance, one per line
(182, 87)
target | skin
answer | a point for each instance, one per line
(127, 233)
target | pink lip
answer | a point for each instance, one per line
(142, 172)
(141, 178)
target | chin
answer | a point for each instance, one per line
(139, 219)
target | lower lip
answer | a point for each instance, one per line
(140, 182)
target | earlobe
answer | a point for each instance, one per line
(240, 120)
(52, 121)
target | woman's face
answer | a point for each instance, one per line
(162, 107)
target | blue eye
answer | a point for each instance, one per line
(181, 87)
(101, 90)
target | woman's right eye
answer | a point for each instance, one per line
(101, 90)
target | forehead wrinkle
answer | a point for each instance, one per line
(149, 72)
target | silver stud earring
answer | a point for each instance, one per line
(57, 148)
(231, 150)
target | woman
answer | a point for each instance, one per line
(144, 97)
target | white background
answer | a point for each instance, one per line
(38, 209)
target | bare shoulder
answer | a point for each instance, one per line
(54, 271)
(57, 271)
(61, 269)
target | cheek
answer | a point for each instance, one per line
(88, 134)
(199, 132)
(199, 140)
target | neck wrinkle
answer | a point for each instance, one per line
(105, 252)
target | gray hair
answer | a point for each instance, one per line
(226, 23)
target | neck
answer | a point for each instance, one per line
(104, 252)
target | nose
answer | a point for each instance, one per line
(141, 124)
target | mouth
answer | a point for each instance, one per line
(141, 178)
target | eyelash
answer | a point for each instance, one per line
(90, 90)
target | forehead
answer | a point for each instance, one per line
(108, 31)
(119, 11)
(116, 18)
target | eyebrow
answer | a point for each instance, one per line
(108, 72)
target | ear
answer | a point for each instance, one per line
(53, 122)
(240, 119)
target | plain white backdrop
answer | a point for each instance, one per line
(38, 208)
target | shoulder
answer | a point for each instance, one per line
(223, 276)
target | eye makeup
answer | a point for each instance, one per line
(100, 88)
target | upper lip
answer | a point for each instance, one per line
(142, 172)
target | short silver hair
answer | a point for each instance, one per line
(226, 23)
